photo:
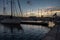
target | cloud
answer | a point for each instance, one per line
(57, 8)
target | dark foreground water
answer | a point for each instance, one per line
(25, 32)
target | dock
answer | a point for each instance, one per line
(18, 22)
(53, 34)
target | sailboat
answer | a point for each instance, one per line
(12, 20)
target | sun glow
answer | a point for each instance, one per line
(45, 13)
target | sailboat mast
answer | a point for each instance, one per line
(4, 7)
(38, 12)
(41, 12)
(11, 9)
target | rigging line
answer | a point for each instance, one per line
(12, 8)
(15, 9)
(7, 3)
(20, 7)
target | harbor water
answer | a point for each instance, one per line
(26, 32)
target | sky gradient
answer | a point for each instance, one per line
(32, 5)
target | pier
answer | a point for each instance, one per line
(17, 22)
(53, 34)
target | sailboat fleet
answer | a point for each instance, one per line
(12, 20)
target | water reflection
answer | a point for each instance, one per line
(23, 32)
(12, 27)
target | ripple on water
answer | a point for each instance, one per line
(29, 32)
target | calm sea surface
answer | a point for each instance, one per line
(25, 32)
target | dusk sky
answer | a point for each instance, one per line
(32, 5)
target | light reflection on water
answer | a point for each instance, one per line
(27, 32)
